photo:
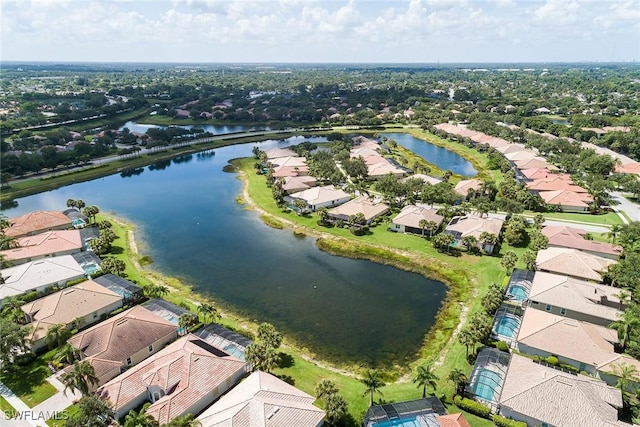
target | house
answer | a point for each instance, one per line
(536, 173)
(474, 225)
(47, 244)
(555, 183)
(572, 262)
(294, 184)
(262, 400)
(364, 142)
(535, 162)
(290, 171)
(37, 222)
(575, 299)
(360, 205)
(567, 200)
(539, 395)
(292, 161)
(76, 307)
(610, 371)
(221, 337)
(182, 378)
(574, 238)
(169, 311)
(511, 149)
(39, 275)
(427, 179)
(277, 153)
(408, 220)
(317, 197)
(583, 345)
(631, 168)
(379, 169)
(122, 341)
(469, 187)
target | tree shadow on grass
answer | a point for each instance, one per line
(287, 379)
(286, 360)
(116, 250)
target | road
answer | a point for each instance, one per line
(628, 207)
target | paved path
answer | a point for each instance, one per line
(630, 208)
(19, 406)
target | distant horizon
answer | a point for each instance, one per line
(321, 32)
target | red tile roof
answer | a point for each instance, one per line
(453, 420)
(36, 222)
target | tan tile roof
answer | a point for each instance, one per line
(411, 215)
(575, 295)
(427, 179)
(522, 155)
(629, 168)
(453, 420)
(186, 370)
(263, 400)
(318, 195)
(384, 168)
(290, 161)
(363, 142)
(566, 198)
(536, 173)
(473, 225)
(298, 183)
(50, 242)
(276, 153)
(289, 171)
(66, 305)
(558, 398)
(569, 237)
(35, 222)
(536, 162)
(580, 341)
(572, 263)
(463, 186)
(511, 148)
(114, 340)
(613, 365)
(360, 204)
(37, 274)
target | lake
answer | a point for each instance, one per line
(434, 154)
(213, 129)
(340, 309)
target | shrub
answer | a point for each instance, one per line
(502, 346)
(506, 422)
(552, 360)
(31, 296)
(472, 406)
(75, 282)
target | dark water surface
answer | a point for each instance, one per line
(342, 309)
(439, 156)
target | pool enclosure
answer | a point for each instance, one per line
(519, 286)
(224, 339)
(487, 377)
(506, 323)
(414, 413)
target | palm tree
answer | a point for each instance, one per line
(425, 377)
(613, 233)
(11, 309)
(626, 374)
(183, 421)
(335, 407)
(140, 419)
(56, 335)
(81, 378)
(65, 354)
(324, 388)
(488, 239)
(466, 338)
(373, 381)
(628, 323)
(459, 379)
(323, 213)
(423, 225)
(261, 357)
(156, 291)
(187, 320)
(432, 226)
(208, 312)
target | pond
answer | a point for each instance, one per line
(434, 154)
(341, 309)
(213, 129)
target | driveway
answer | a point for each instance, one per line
(628, 207)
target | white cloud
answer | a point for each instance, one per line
(558, 12)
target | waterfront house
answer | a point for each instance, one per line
(540, 395)
(47, 244)
(122, 341)
(293, 184)
(317, 197)
(263, 400)
(183, 378)
(427, 179)
(37, 222)
(39, 275)
(276, 153)
(575, 299)
(360, 205)
(572, 262)
(469, 188)
(123, 287)
(583, 345)
(75, 307)
(408, 220)
(474, 225)
(574, 238)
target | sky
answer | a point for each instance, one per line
(323, 31)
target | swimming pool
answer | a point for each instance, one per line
(405, 422)
(485, 384)
(78, 223)
(90, 268)
(506, 324)
(517, 292)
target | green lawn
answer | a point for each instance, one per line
(67, 413)
(5, 406)
(608, 219)
(29, 382)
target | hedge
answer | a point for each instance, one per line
(506, 422)
(472, 406)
